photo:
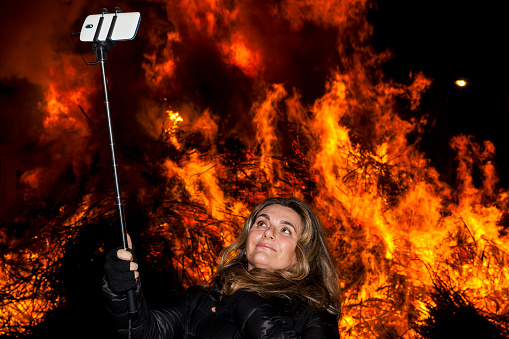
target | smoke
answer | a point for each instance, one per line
(34, 34)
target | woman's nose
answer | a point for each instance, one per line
(269, 233)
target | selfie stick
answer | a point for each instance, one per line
(100, 49)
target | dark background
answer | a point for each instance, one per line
(447, 41)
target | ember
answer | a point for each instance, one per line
(232, 102)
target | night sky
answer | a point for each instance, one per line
(447, 41)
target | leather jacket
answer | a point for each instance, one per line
(241, 315)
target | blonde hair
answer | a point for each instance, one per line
(312, 278)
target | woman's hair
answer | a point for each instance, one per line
(312, 277)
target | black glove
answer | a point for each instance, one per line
(118, 275)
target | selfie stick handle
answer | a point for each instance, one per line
(101, 49)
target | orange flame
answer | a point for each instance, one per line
(242, 56)
(27, 273)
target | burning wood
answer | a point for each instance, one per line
(452, 314)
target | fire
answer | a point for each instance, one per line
(264, 121)
(242, 120)
(28, 272)
(56, 110)
(61, 105)
(156, 71)
(31, 259)
(406, 237)
(383, 206)
(175, 120)
(242, 56)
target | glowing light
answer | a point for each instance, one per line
(239, 53)
(170, 131)
(461, 83)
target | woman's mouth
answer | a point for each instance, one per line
(266, 246)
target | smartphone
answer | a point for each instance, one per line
(125, 28)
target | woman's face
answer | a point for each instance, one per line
(272, 239)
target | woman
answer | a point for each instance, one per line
(276, 281)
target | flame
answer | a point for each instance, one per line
(176, 119)
(28, 270)
(31, 260)
(61, 103)
(264, 120)
(64, 131)
(156, 71)
(240, 55)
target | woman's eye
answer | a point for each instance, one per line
(286, 230)
(260, 224)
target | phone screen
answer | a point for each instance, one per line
(125, 28)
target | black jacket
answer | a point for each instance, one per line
(241, 315)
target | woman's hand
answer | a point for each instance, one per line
(121, 269)
(128, 256)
